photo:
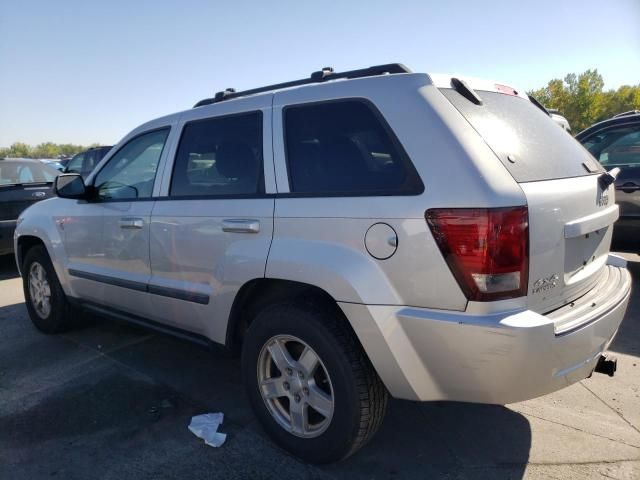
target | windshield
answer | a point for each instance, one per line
(15, 172)
(528, 142)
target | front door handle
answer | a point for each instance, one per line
(241, 225)
(131, 223)
(628, 187)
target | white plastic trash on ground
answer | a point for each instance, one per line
(206, 427)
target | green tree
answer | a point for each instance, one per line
(18, 149)
(42, 150)
(582, 100)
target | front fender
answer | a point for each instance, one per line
(39, 221)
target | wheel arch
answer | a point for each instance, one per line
(258, 293)
(24, 244)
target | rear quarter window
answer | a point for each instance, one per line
(345, 148)
(528, 142)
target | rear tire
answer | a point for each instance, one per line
(46, 302)
(326, 371)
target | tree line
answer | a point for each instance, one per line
(583, 101)
(43, 150)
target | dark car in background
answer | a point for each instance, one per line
(84, 162)
(22, 182)
(616, 143)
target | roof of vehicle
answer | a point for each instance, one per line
(325, 75)
(628, 118)
(328, 74)
(319, 79)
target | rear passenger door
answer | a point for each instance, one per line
(212, 226)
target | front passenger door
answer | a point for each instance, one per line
(124, 188)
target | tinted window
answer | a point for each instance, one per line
(90, 161)
(101, 152)
(75, 164)
(219, 156)
(85, 162)
(513, 126)
(616, 146)
(130, 173)
(344, 148)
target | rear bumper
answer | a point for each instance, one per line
(503, 358)
(7, 227)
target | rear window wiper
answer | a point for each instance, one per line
(466, 91)
(538, 104)
(607, 178)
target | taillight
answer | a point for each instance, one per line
(487, 249)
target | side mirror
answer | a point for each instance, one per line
(70, 185)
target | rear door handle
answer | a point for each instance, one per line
(131, 223)
(241, 225)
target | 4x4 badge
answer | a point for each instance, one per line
(545, 284)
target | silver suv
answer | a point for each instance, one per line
(355, 235)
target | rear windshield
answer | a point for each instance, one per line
(15, 172)
(527, 141)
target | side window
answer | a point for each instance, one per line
(130, 173)
(101, 152)
(617, 146)
(219, 156)
(343, 147)
(89, 163)
(75, 164)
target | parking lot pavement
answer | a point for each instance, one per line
(110, 401)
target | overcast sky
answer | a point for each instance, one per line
(87, 71)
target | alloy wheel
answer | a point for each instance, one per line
(295, 386)
(39, 290)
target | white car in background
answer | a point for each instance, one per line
(559, 119)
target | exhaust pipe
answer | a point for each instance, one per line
(606, 365)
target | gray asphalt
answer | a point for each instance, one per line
(111, 401)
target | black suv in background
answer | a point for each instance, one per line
(84, 162)
(616, 143)
(23, 181)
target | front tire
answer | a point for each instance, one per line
(310, 383)
(46, 302)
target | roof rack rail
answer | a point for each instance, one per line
(324, 75)
(624, 114)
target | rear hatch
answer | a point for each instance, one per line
(570, 215)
